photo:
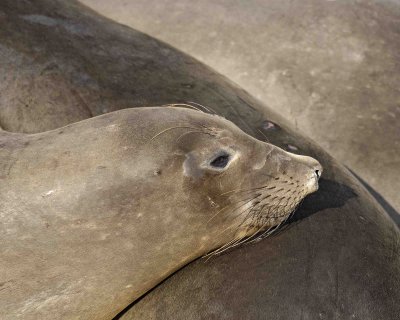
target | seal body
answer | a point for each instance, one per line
(123, 200)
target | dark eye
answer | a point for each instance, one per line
(221, 161)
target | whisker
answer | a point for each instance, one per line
(265, 137)
(295, 209)
(271, 230)
(241, 241)
(214, 252)
(246, 239)
(172, 128)
(242, 190)
(221, 250)
(261, 236)
(230, 204)
(184, 134)
(230, 227)
(183, 105)
(245, 218)
(209, 109)
(277, 228)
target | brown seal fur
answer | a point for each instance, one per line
(123, 200)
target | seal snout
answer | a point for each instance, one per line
(315, 170)
(311, 170)
(318, 173)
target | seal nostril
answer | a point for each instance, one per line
(318, 173)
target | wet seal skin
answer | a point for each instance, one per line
(123, 200)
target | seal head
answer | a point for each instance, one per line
(240, 182)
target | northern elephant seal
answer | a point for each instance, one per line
(339, 262)
(121, 201)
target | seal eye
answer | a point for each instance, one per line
(221, 161)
